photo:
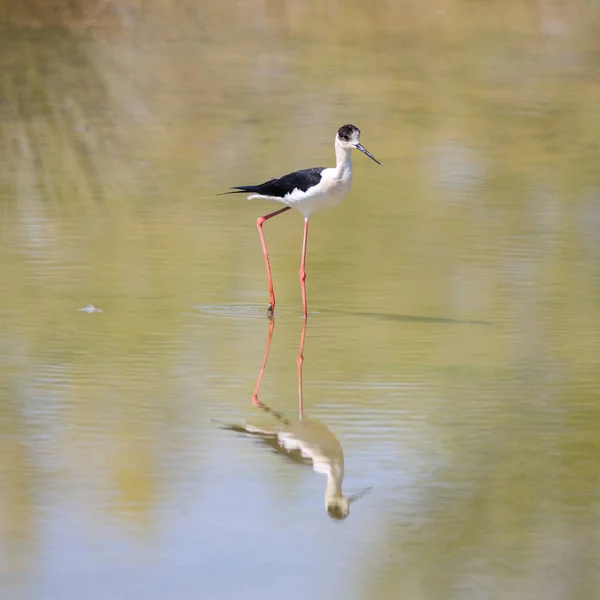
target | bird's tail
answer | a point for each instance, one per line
(240, 190)
(246, 428)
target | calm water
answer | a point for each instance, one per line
(453, 343)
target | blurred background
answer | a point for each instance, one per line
(453, 342)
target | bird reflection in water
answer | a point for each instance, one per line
(303, 440)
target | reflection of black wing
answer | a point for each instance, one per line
(268, 438)
(280, 187)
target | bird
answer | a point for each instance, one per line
(306, 441)
(308, 191)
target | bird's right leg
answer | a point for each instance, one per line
(299, 362)
(259, 224)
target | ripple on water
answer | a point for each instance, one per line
(233, 312)
(244, 311)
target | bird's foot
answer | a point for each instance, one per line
(270, 311)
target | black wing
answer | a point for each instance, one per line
(270, 439)
(298, 180)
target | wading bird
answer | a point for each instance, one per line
(308, 191)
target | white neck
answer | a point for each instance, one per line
(334, 484)
(343, 159)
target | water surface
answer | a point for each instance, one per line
(453, 341)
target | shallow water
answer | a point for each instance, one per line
(453, 341)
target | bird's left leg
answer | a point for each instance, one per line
(303, 268)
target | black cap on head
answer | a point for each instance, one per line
(346, 132)
(335, 511)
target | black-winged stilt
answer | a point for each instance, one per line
(308, 191)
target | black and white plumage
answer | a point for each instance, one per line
(318, 188)
(308, 191)
(309, 442)
(283, 186)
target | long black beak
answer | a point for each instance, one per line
(366, 490)
(364, 151)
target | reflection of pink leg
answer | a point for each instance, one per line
(302, 267)
(299, 362)
(259, 224)
(255, 399)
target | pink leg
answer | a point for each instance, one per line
(299, 362)
(255, 399)
(303, 269)
(259, 224)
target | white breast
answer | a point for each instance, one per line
(331, 190)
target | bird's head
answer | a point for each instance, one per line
(348, 138)
(338, 506)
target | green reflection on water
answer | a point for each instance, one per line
(455, 291)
